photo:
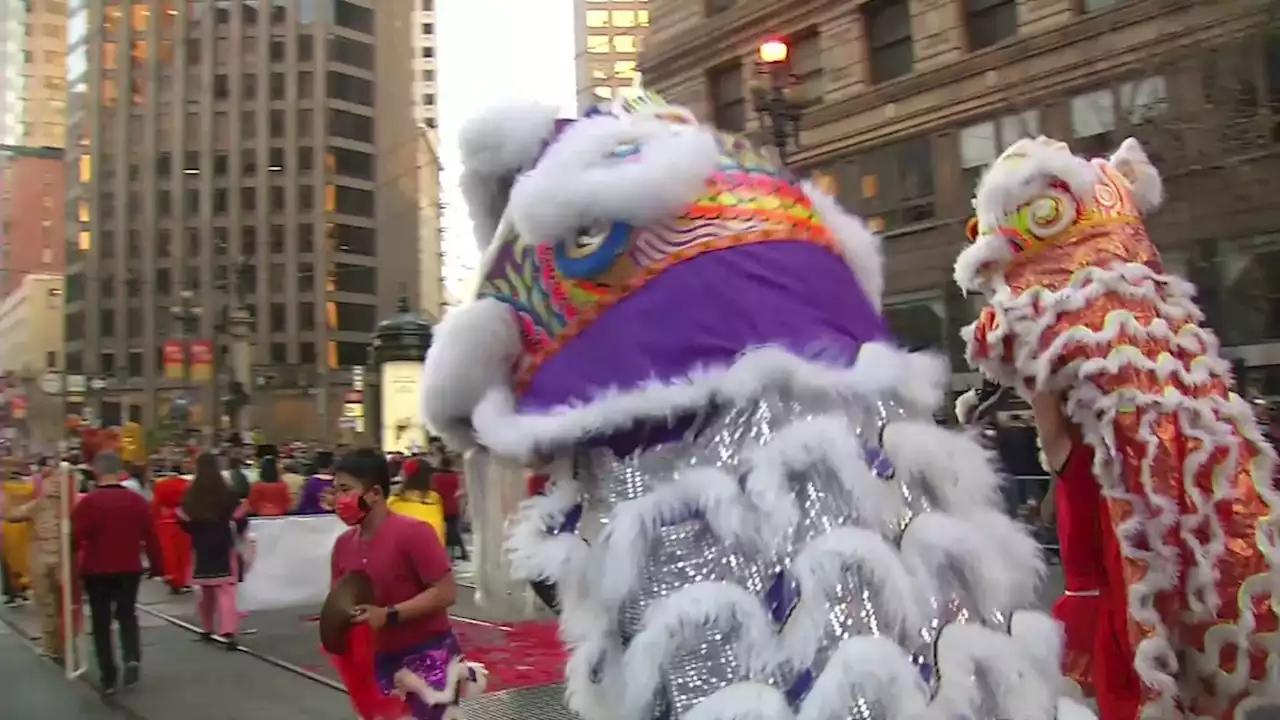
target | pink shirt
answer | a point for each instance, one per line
(402, 557)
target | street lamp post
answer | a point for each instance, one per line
(772, 97)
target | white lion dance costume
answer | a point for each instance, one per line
(1079, 304)
(755, 517)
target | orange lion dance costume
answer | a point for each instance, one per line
(1079, 304)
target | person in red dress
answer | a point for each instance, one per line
(175, 545)
(1098, 654)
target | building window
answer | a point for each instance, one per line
(1098, 118)
(806, 67)
(1096, 5)
(597, 18)
(353, 17)
(917, 324)
(888, 25)
(598, 44)
(715, 7)
(990, 22)
(982, 143)
(891, 187)
(728, 100)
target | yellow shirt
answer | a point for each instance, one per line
(429, 509)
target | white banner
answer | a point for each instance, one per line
(291, 564)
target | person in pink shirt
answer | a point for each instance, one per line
(417, 653)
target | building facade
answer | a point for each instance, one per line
(610, 35)
(31, 203)
(907, 101)
(230, 153)
(426, 113)
(30, 346)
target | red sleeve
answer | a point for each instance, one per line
(429, 559)
(150, 541)
(81, 517)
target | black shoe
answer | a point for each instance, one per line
(230, 640)
(12, 602)
(132, 674)
(206, 637)
(108, 690)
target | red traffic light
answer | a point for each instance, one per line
(773, 51)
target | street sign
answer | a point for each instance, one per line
(51, 383)
(348, 423)
(97, 383)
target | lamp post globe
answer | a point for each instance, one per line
(773, 51)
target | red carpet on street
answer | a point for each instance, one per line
(519, 655)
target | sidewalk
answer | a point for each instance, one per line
(37, 690)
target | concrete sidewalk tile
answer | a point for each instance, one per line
(37, 689)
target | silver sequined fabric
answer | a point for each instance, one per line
(684, 551)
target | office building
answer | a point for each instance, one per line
(32, 197)
(230, 152)
(30, 346)
(610, 35)
(425, 92)
(33, 48)
(905, 102)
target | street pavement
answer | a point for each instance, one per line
(280, 673)
(35, 689)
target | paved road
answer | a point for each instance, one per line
(186, 679)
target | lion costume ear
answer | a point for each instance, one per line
(497, 146)
(1132, 163)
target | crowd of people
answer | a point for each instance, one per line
(184, 519)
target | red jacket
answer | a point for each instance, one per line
(110, 529)
(447, 484)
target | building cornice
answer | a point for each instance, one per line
(688, 50)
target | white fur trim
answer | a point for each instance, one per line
(1010, 184)
(578, 184)
(824, 564)
(800, 446)
(965, 405)
(496, 147)
(681, 619)
(742, 701)
(1041, 638)
(1131, 161)
(1000, 563)
(959, 472)
(880, 369)
(472, 351)
(860, 247)
(867, 667)
(627, 539)
(965, 649)
(458, 684)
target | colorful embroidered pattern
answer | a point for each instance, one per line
(558, 289)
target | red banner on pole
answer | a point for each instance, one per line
(201, 360)
(19, 408)
(174, 356)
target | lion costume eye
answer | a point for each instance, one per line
(1050, 214)
(587, 240)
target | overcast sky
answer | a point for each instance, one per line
(491, 52)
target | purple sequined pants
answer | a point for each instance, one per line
(430, 661)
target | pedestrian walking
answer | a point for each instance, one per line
(175, 545)
(317, 492)
(417, 498)
(448, 483)
(417, 654)
(216, 520)
(111, 529)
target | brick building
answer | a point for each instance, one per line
(906, 101)
(31, 207)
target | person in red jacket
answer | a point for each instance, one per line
(166, 498)
(269, 497)
(448, 483)
(110, 529)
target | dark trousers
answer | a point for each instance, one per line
(7, 586)
(453, 537)
(114, 597)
